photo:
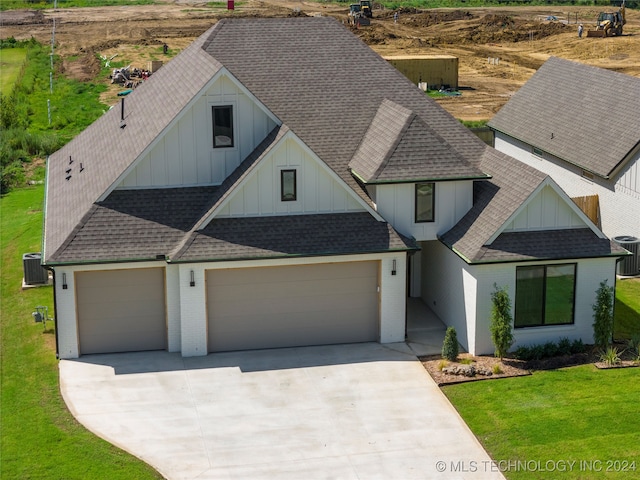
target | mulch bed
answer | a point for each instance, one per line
(512, 367)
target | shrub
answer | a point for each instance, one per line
(496, 369)
(442, 364)
(564, 346)
(610, 356)
(501, 321)
(450, 345)
(634, 344)
(603, 316)
(577, 346)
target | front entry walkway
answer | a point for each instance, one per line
(425, 331)
(339, 411)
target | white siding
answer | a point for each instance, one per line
(318, 191)
(185, 154)
(619, 201)
(460, 294)
(449, 290)
(396, 203)
(545, 211)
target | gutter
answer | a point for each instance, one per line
(420, 180)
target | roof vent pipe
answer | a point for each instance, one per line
(122, 124)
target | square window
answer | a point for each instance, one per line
(222, 126)
(425, 202)
(545, 295)
(288, 191)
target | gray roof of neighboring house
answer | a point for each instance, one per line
(319, 80)
(495, 201)
(587, 116)
(400, 147)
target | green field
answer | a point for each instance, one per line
(11, 61)
(40, 438)
(536, 426)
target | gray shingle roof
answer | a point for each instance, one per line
(495, 201)
(321, 81)
(548, 245)
(400, 147)
(587, 116)
(136, 225)
(293, 235)
(105, 150)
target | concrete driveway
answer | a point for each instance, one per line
(345, 411)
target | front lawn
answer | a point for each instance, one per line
(536, 426)
(627, 309)
(39, 437)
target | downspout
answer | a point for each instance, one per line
(55, 311)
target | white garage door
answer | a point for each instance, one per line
(272, 307)
(121, 310)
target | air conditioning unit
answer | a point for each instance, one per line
(34, 273)
(630, 264)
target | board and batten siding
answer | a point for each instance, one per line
(619, 201)
(396, 204)
(460, 295)
(317, 189)
(545, 211)
(185, 156)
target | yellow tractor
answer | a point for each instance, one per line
(609, 24)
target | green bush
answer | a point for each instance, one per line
(564, 346)
(450, 345)
(501, 321)
(603, 316)
(548, 350)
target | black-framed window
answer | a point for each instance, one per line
(545, 295)
(425, 202)
(288, 188)
(222, 126)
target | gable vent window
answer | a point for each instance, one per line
(425, 202)
(288, 191)
(222, 126)
(537, 152)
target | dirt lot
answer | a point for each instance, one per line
(519, 37)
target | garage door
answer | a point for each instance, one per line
(121, 310)
(252, 308)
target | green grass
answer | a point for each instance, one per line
(40, 438)
(577, 414)
(40, 4)
(11, 61)
(627, 309)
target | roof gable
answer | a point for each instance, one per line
(400, 147)
(584, 115)
(286, 151)
(83, 170)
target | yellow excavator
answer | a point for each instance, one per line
(609, 24)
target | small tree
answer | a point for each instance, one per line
(603, 316)
(450, 345)
(501, 321)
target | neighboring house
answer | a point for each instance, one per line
(580, 125)
(279, 184)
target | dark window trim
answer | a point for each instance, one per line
(544, 297)
(213, 125)
(433, 202)
(295, 185)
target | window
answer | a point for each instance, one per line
(537, 152)
(222, 126)
(545, 295)
(425, 202)
(288, 185)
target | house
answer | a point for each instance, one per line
(280, 184)
(580, 125)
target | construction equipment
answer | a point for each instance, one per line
(366, 8)
(609, 23)
(356, 16)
